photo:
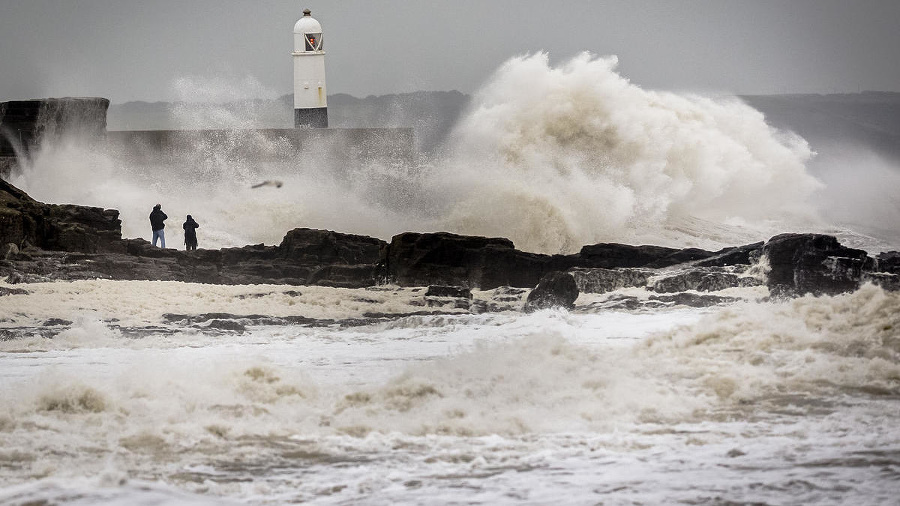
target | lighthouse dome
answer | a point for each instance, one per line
(307, 24)
(307, 35)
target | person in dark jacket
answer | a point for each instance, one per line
(157, 217)
(190, 233)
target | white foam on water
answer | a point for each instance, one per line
(292, 413)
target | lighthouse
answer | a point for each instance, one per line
(310, 104)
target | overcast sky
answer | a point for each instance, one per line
(169, 49)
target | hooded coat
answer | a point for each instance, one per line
(190, 230)
(157, 217)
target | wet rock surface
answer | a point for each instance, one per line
(556, 289)
(813, 263)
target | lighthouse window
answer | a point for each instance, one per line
(313, 41)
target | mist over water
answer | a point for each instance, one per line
(551, 157)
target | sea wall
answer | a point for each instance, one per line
(25, 124)
(355, 146)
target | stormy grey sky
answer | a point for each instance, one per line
(195, 49)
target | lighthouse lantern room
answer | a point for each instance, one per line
(310, 103)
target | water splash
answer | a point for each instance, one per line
(576, 154)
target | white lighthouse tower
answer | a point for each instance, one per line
(310, 105)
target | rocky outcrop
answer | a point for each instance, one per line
(414, 259)
(600, 280)
(612, 255)
(813, 263)
(886, 272)
(701, 279)
(41, 242)
(27, 222)
(556, 289)
(888, 262)
(319, 247)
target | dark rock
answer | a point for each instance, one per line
(448, 302)
(52, 322)
(448, 291)
(12, 291)
(456, 297)
(441, 258)
(613, 255)
(888, 261)
(323, 247)
(599, 280)
(344, 276)
(813, 263)
(885, 280)
(289, 293)
(719, 281)
(230, 325)
(706, 279)
(15, 277)
(508, 294)
(24, 221)
(617, 302)
(556, 289)
(740, 255)
(8, 251)
(679, 257)
(693, 299)
(679, 282)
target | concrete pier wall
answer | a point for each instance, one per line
(330, 145)
(26, 124)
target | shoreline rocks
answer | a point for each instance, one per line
(45, 242)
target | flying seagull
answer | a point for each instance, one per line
(275, 183)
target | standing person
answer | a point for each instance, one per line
(190, 233)
(157, 217)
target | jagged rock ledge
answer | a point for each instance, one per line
(43, 242)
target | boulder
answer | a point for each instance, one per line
(813, 263)
(556, 289)
(415, 259)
